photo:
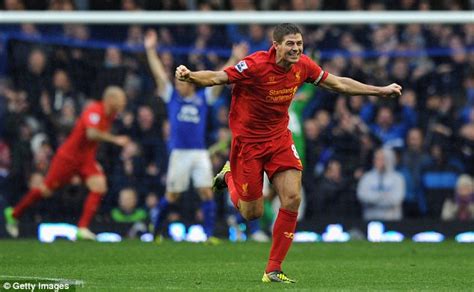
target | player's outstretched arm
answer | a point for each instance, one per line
(201, 78)
(350, 86)
(156, 66)
(101, 136)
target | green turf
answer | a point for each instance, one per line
(133, 265)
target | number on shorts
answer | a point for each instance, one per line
(293, 147)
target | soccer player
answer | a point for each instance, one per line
(187, 114)
(77, 157)
(264, 85)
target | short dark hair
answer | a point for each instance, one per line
(284, 29)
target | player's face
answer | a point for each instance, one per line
(184, 89)
(291, 48)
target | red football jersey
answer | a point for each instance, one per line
(263, 92)
(77, 146)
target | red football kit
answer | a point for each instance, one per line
(258, 118)
(77, 154)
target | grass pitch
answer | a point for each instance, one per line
(137, 266)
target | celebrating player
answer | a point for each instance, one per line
(187, 114)
(264, 85)
(77, 157)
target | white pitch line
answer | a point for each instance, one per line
(65, 281)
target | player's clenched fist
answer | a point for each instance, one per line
(182, 73)
(392, 90)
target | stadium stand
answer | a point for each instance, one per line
(49, 72)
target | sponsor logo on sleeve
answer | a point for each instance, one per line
(241, 66)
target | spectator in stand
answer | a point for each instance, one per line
(334, 199)
(381, 191)
(131, 5)
(345, 141)
(127, 210)
(112, 71)
(440, 122)
(13, 5)
(129, 171)
(390, 132)
(35, 80)
(18, 134)
(58, 106)
(439, 177)
(148, 131)
(314, 148)
(134, 36)
(413, 158)
(149, 134)
(254, 35)
(462, 208)
(65, 5)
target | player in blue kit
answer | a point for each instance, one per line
(189, 158)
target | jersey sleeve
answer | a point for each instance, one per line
(315, 74)
(92, 117)
(243, 72)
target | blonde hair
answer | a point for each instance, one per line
(465, 180)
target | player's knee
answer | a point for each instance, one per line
(97, 184)
(172, 197)
(45, 191)
(99, 188)
(252, 214)
(206, 194)
(291, 201)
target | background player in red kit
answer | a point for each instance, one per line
(265, 83)
(77, 157)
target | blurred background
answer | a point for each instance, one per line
(49, 72)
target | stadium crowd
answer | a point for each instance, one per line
(364, 157)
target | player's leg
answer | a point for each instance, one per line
(284, 171)
(209, 211)
(288, 186)
(96, 183)
(177, 181)
(13, 214)
(161, 212)
(31, 197)
(202, 179)
(97, 186)
(58, 175)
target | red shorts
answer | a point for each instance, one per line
(62, 169)
(248, 161)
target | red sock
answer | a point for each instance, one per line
(29, 199)
(283, 233)
(91, 205)
(234, 195)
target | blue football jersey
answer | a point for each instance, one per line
(187, 118)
